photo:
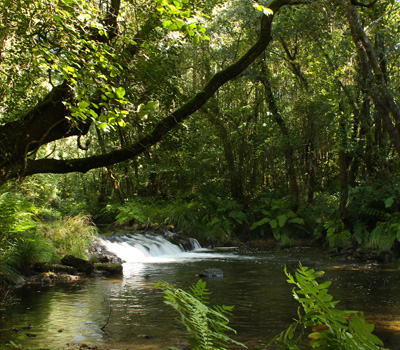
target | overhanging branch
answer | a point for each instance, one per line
(168, 123)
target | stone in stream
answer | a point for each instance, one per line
(109, 268)
(80, 264)
(209, 273)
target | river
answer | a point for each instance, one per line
(133, 316)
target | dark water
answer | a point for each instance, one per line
(135, 317)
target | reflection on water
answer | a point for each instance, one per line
(134, 314)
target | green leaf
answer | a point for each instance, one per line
(121, 122)
(282, 220)
(259, 223)
(299, 221)
(389, 202)
(93, 113)
(83, 104)
(151, 105)
(196, 39)
(167, 23)
(178, 4)
(102, 126)
(120, 92)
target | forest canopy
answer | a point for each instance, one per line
(243, 112)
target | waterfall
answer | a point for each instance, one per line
(149, 247)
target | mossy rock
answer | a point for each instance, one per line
(109, 268)
(80, 264)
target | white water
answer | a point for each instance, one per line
(147, 248)
(152, 248)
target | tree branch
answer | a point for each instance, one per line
(166, 125)
(357, 3)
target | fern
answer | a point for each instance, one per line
(331, 328)
(386, 232)
(280, 221)
(207, 326)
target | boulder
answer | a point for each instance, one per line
(80, 264)
(210, 273)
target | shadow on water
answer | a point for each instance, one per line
(133, 315)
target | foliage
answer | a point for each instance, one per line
(206, 177)
(20, 243)
(26, 240)
(371, 203)
(330, 327)
(385, 233)
(280, 220)
(211, 218)
(130, 212)
(335, 232)
(71, 235)
(222, 218)
(207, 326)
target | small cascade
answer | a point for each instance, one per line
(148, 247)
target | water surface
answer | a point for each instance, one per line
(131, 312)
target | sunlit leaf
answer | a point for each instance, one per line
(120, 92)
(196, 39)
(83, 104)
(102, 126)
(167, 23)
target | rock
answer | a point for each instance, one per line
(46, 278)
(57, 268)
(102, 255)
(109, 268)
(210, 273)
(385, 256)
(80, 264)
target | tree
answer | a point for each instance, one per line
(78, 51)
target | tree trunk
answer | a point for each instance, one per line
(288, 147)
(379, 91)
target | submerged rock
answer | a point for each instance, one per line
(210, 273)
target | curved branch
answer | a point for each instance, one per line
(361, 4)
(168, 123)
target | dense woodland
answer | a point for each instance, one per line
(224, 120)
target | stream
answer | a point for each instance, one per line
(132, 314)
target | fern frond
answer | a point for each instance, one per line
(207, 326)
